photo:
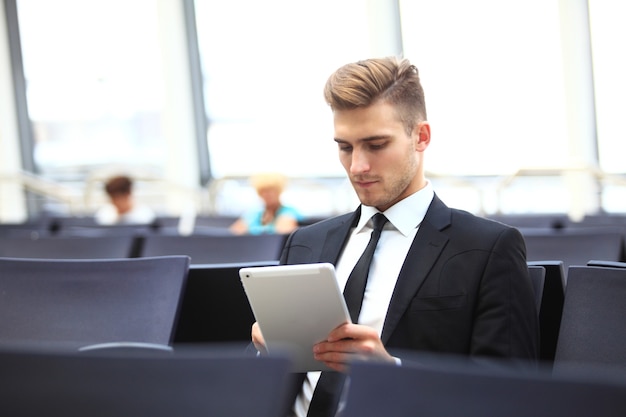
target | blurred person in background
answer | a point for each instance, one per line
(274, 216)
(122, 207)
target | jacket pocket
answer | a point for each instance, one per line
(446, 302)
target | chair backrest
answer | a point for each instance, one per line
(427, 390)
(551, 307)
(212, 222)
(215, 249)
(192, 385)
(593, 326)
(215, 307)
(537, 277)
(610, 264)
(101, 230)
(57, 247)
(604, 219)
(574, 246)
(533, 221)
(80, 302)
(58, 223)
(26, 229)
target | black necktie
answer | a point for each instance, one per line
(328, 389)
(355, 286)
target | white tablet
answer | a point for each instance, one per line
(296, 307)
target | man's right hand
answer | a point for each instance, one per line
(257, 338)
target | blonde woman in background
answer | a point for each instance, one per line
(274, 216)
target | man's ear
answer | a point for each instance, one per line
(422, 135)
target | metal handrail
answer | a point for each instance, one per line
(80, 200)
(601, 177)
(44, 187)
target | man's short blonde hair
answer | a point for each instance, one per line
(392, 80)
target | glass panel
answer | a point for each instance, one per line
(609, 66)
(492, 75)
(265, 64)
(94, 84)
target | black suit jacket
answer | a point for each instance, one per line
(463, 289)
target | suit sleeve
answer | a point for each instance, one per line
(506, 319)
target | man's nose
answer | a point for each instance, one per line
(359, 163)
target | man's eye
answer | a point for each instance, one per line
(345, 148)
(376, 146)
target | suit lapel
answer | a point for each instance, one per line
(423, 253)
(337, 237)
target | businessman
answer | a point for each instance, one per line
(441, 279)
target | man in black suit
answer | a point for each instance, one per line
(442, 280)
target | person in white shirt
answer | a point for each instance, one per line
(122, 207)
(441, 280)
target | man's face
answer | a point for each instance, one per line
(383, 162)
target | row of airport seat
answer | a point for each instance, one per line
(592, 336)
(216, 288)
(202, 248)
(203, 303)
(114, 383)
(212, 291)
(575, 246)
(87, 226)
(220, 382)
(572, 245)
(554, 250)
(560, 221)
(556, 237)
(51, 224)
(161, 301)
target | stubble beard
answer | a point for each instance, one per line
(390, 190)
(386, 197)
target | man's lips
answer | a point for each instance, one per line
(364, 183)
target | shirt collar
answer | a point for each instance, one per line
(406, 214)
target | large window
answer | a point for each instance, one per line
(107, 83)
(609, 66)
(509, 90)
(94, 84)
(265, 64)
(493, 78)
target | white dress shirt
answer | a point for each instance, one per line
(395, 240)
(140, 214)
